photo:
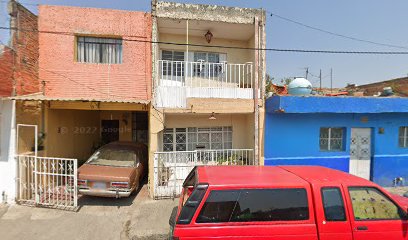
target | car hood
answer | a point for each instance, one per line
(105, 173)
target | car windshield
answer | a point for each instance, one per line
(113, 157)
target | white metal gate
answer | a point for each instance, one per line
(171, 168)
(45, 181)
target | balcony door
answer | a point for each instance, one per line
(172, 68)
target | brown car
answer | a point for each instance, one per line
(114, 170)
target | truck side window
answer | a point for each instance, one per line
(189, 208)
(286, 204)
(371, 204)
(333, 204)
(218, 207)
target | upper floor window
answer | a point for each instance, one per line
(99, 50)
(212, 66)
(173, 64)
(403, 137)
(331, 139)
(206, 57)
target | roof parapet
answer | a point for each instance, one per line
(203, 12)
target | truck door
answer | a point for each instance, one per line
(374, 215)
(332, 219)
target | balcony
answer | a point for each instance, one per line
(171, 168)
(180, 80)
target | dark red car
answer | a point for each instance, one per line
(286, 202)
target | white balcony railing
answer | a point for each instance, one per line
(171, 168)
(179, 80)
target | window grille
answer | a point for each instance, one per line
(99, 50)
(331, 139)
(190, 139)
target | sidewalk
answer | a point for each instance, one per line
(137, 217)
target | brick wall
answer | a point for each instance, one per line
(24, 41)
(6, 73)
(65, 77)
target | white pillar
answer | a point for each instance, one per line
(8, 166)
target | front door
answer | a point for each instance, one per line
(360, 152)
(110, 131)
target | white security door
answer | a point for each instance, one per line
(360, 152)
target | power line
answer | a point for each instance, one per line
(296, 50)
(337, 34)
(232, 47)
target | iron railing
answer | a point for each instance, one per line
(205, 74)
(179, 80)
(46, 181)
(171, 168)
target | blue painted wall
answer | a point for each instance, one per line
(293, 138)
(315, 104)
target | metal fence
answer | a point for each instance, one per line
(45, 181)
(205, 74)
(179, 80)
(171, 168)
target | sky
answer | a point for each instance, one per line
(373, 20)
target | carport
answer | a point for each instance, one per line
(71, 130)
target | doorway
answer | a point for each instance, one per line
(360, 152)
(110, 131)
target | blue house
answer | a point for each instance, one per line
(366, 136)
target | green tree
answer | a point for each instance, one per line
(268, 82)
(286, 80)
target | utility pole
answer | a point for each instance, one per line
(307, 72)
(320, 78)
(331, 79)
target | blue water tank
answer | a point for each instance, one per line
(299, 87)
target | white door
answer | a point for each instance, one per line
(360, 152)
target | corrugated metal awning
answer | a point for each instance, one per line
(41, 97)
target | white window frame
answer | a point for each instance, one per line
(174, 131)
(329, 139)
(404, 136)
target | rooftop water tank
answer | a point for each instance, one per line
(299, 87)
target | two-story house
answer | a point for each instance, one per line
(188, 80)
(208, 78)
(94, 70)
(18, 77)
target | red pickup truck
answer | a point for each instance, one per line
(285, 202)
